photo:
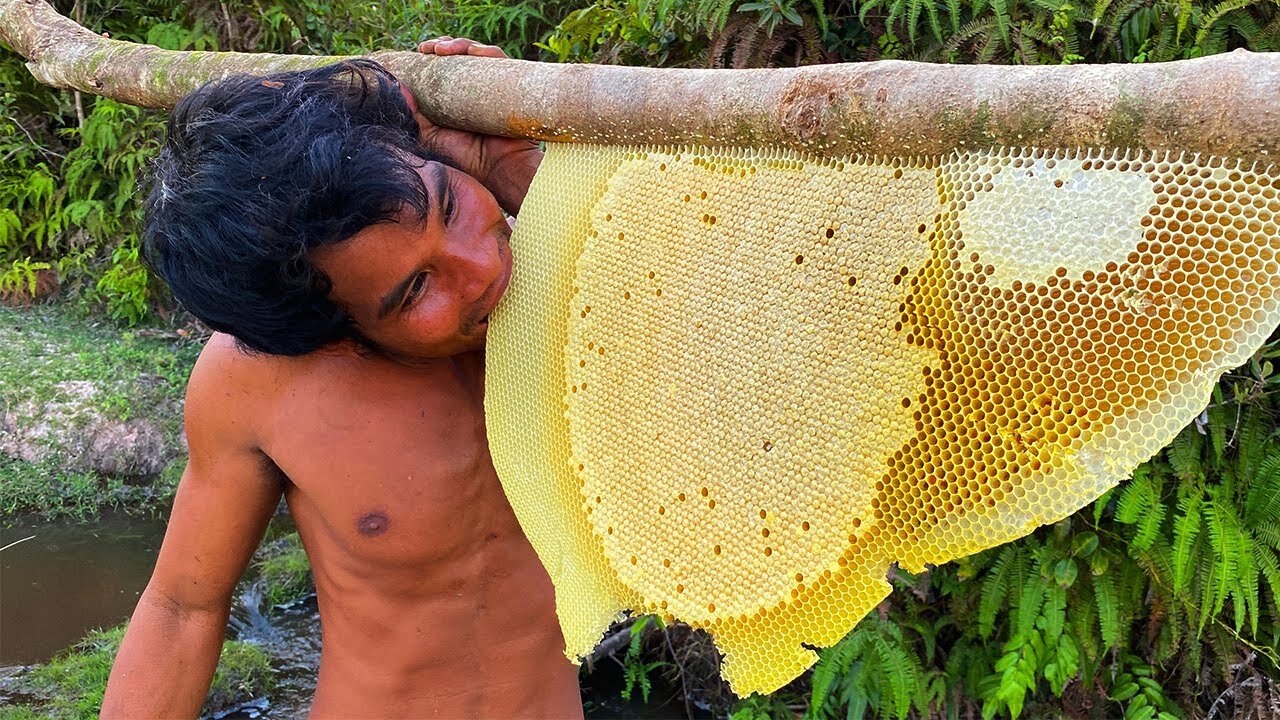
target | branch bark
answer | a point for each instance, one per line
(1223, 105)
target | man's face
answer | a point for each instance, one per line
(425, 290)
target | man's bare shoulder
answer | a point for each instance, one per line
(225, 364)
(230, 388)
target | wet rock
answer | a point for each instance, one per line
(76, 432)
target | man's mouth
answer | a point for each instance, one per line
(500, 285)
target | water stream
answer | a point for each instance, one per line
(69, 578)
(58, 580)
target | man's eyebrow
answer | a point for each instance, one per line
(441, 180)
(392, 299)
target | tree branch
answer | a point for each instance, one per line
(1223, 105)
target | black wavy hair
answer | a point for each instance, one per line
(255, 172)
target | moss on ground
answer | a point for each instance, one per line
(76, 679)
(285, 570)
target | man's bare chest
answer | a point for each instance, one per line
(390, 473)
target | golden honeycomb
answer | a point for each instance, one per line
(733, 386)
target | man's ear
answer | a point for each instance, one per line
(424, 126)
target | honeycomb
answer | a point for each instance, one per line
(732, 387)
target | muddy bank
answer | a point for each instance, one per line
(90, 413)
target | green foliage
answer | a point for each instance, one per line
(873, 670)
(754, 707)
(629, 32)
(1062, 31)
(285, 570)
(20, 278)
(243, 673)
(636, 672)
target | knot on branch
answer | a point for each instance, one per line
(805, 104)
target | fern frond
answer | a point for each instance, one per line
(832, 663)
(1269, 568)
(1217, 13)
(1245, 593)
(1225, 545)
(1001, 10)
(712, 15)
(1251, 442)
(953, 10)
(979, 30)
(1100, 8)
(1156, 561)
(995, 588)
(1030, 602)
(1184, 16)
(820, 15)
(1268, 531)
(935, 24)
(1262, 501)
(1217, 414)
(914, 8)
(1186, 527)
(1108, 603)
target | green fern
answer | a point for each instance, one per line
(875, 670)
(1186, 529)
(1107, 602)
(996, 587)
(1217, 13)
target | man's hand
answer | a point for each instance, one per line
(503, 165)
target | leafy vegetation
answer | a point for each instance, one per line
(55, 494)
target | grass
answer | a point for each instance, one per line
(285, 570)
(58, 495)
(135, 370)
(20, 712)
(75, 680)
(137, 373)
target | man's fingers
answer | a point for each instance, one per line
(446, 45)
(492, 51)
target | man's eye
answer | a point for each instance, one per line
(416, 289)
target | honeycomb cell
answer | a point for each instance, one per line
(736, 385)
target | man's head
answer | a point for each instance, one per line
(299, 210)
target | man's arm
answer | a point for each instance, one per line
(224, 501)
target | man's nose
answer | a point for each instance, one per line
(477, 263)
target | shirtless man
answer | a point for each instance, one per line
(351, 274)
